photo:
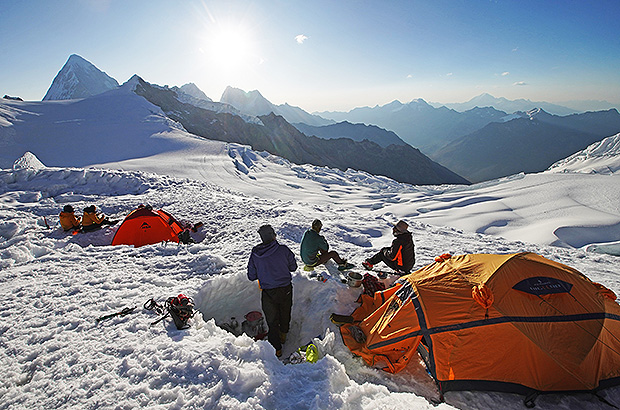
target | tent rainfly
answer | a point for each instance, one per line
(144, 226)
(516, 323)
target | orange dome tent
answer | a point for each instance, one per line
(144, 226)
(515, 323)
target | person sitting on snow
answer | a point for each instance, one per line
(272, 263)
(315, 249)
(91, 221)
(68, 221)
(400, 256)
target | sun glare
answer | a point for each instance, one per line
(230, 47)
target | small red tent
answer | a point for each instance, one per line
(144, 226)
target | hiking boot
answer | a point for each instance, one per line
(282, 337)
(279, 353)
(367, 265)
(345, 265)
(308, 268)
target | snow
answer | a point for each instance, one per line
(602, 157)
(55, 285)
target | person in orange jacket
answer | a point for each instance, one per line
(91, 221)
(68, 221)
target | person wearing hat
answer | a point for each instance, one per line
(271, 263)
(315, 249)
(68, 221)
(400, 256)
(91, 221)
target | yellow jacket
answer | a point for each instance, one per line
(91, 218)
(69, 221)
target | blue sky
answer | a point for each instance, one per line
(324, 55)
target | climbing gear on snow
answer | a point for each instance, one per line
(180, 307)
(123, 312)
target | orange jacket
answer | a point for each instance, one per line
(69, 221)
(91, 218)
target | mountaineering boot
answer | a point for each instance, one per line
(282, 337)
(308, 268)
(367, 265)
(345, 265)
(279, 353)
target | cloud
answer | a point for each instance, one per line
(505, 73)
(449, 75)
(514, 50)
(409, 75)
(300, 38)
(520, 83)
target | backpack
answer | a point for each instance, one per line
(181, 308)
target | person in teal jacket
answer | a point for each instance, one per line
(315, 249)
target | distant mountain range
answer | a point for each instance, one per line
(253, 103)
(529, 143)
(420, 124)
(357, 132)
(485, 138)
(258, 126)
(509, 106)
(279, 137)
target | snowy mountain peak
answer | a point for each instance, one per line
(131, 84)
(251, 102)
(28, 161)
(79, 78)
(193, 90)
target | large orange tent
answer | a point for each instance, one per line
(515, 323)
(144, 226)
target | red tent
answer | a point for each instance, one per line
(145, 226)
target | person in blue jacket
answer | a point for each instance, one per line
(315, 249)
(272, 263)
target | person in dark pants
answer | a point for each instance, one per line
(400, 256)
(272, 263)
(315, 249)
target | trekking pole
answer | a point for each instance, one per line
(123, 312)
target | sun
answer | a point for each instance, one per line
(230, 46)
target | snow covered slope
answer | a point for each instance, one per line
(121, 130)
(79, 78)
(55, 285)
(602, 157)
